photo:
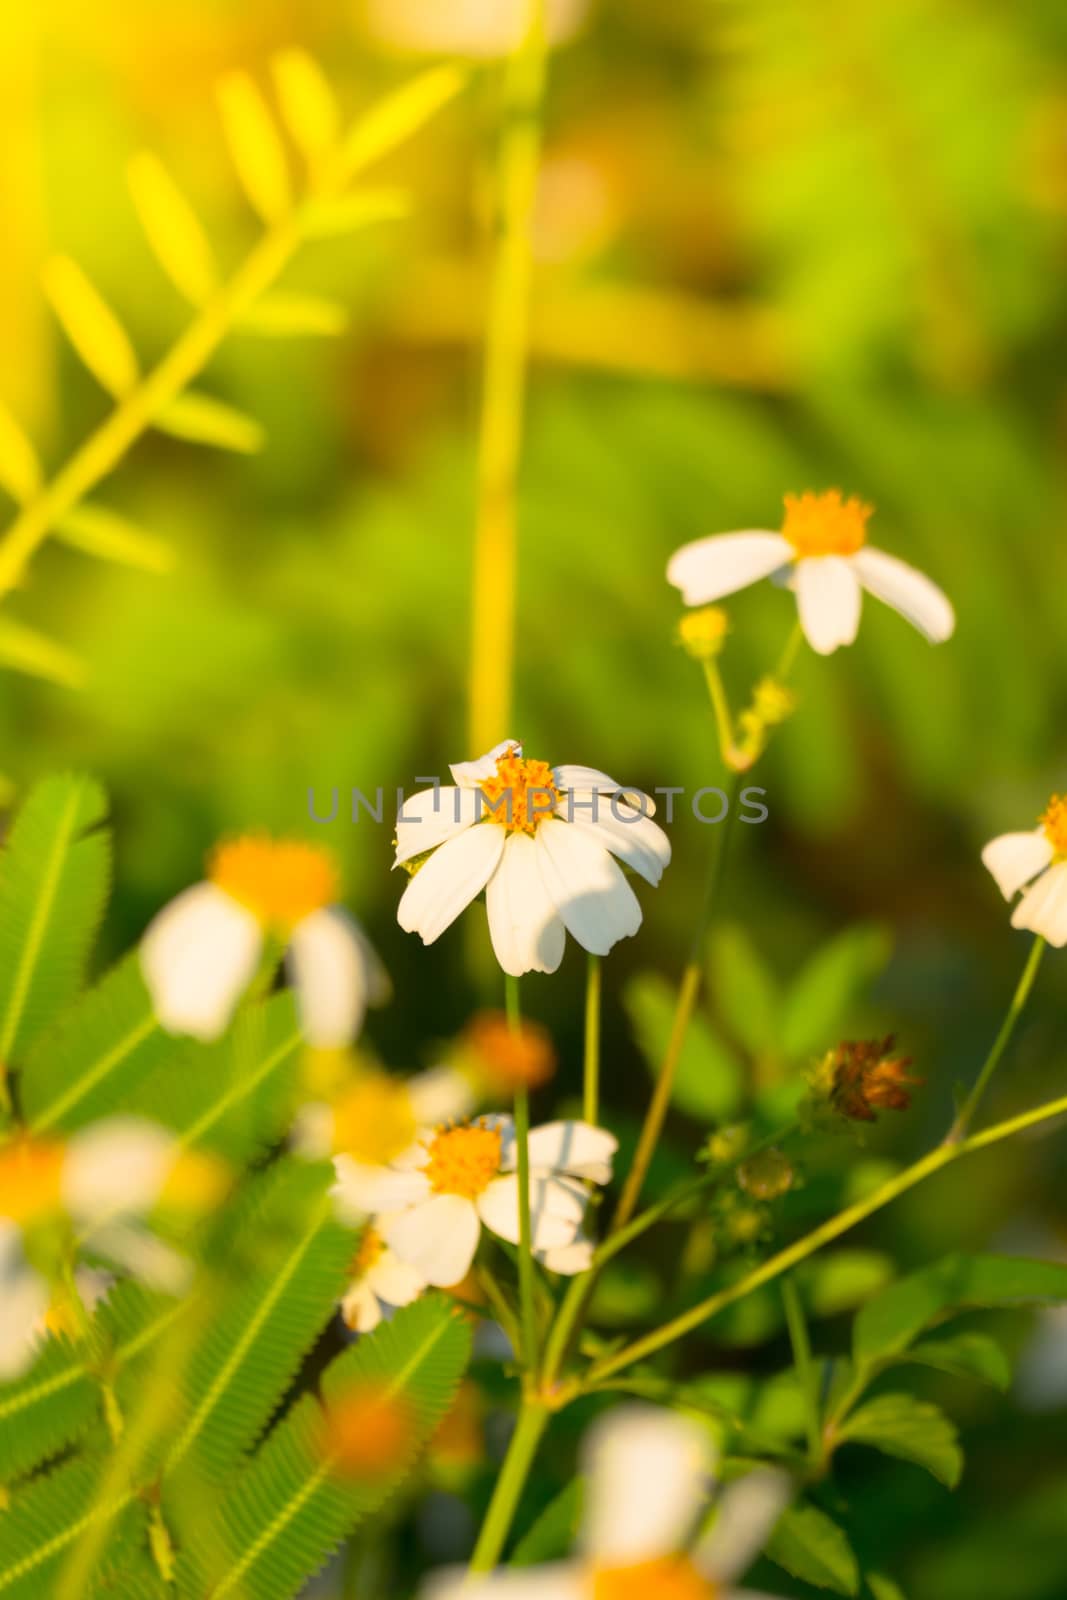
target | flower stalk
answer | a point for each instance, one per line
(527, 1286)
(967, 1111)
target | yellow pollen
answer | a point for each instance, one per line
(825, 524)
(521, 795)
(374, 1120)
(671, 1578)
(197, 1183)
(31, 1179)
(368, 1431)
(1054, 821)
(369, 1250)
(281, 881)
(463, 1160)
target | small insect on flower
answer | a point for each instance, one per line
(379, 1280)
(368, 1431)
(823, 555)
(429, 1205)
(1036, 862)
(865, 1077)
(202, 950)
(650, 1475)
(540, 841)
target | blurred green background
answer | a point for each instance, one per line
(779, 245)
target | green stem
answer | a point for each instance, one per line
(527, 1286)
(787, 660)
(533, 1418)
(720, 705)
(807, 1375)
(966, 1114)
(591, 1072)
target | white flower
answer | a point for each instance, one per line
(1038, 859)
(430, 1203)
(480, 28)
(822, 554)
(202, 950)
(540, 841)
(379, 1280)
(649, 1474)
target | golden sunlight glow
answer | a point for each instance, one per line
(281, 881)
(373, 1121)
(197, 1182)
(825, 524)
(1054, 821)
(463, 1160)
(504, 1058)
(521, 795)
(369, 1431)
(671, 1578)
(31, 1179)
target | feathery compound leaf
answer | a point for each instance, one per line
(25, 650)
(204, 420)
(53, 885)
(308, 107)
(255, 148)
(399, 115)
(91, 325)
(326, 219)
(286, 315)
(46, 1520)
(20, 471)
(293, 1506)
(172, 228)
(102, 533)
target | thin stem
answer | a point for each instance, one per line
(533, 1418)
(591, 1069)
(503, 390)
(720, 705)
(527, 1284)
(807, 1376)
(787, 660)
(966, 1114)
(776, 1265)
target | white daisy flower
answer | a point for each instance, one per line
(540, 841)
(430, 1204)
(202, 950)
(822, 554)
(1038, 859)
(649, 1473)
(380, 1281)
(479, 28)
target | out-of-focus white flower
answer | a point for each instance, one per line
(480, 28)
(379, 1280)
(649, 1474)
(823, 555)
(1038, 859)
(430, 1203)
(540, 841)
(201, 952)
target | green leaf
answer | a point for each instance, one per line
(553, 1533)
(205, 420)
(20, 471)
(397, 116)
(965, 1355)
(708, 1085)
(255, 147)
(308, 107)
(843, 1279)
(820, 999)
(883, 1588)
(97, 531)
(745, 990)
(49, 1515)
(91, 326)
(327, 219)
(889, 1323)
(914, 1430)
(53, 885)
(173, 229)
(814, 1549)
(25, 650)
(283, 315)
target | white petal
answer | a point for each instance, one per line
(591, 894)
(430, 817)
(363, 1190)
(438, 1237)
(910, 592)
(1043, 908)
(635, 839)
(709, 568)
(145, 1256)
(311, 1135)
(527, 934)
(575, 1147)
(473, 773)
(197, 956)
(360, 1308)
(649, 1471)
(441, 1094)
(569, 1259)
(747, 1513)
(556, 1211)
(328, 966)
(554, 1580)
(116, 1167)
(396, 1282)
(1015, 858)
(24, 1301)
(828, 599)
(582, 783)
(448, 882)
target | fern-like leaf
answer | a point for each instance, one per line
(100, 532)
(201, 419)
(25, 650)
(308, 107)
(91, 326)
(255, 146)
(173, 229)
(20, 471)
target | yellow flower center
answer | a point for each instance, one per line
(825, 524)
(368, 1431)
(369, 1250)
(374, 1120)
(521, 795)
(671, 1578)
(1054, 821)
(31, 1179)
(281, 881)
(463, 1160)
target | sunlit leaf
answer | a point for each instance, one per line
(283, 315)
(914, 1430)
(708, 1084)
(553, 1534)
(25, 650)
(308, 108)
(20, 471)
(399, 115)
(965, 1355)
(327, 219)
(255, 147)
(813, 1548)
(91, 325)
(205, 420)
(98, 531)
(173, 228)
(745, 990)
(816, 1008)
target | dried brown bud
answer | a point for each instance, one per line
(866, 1077)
